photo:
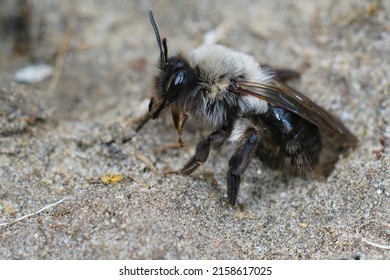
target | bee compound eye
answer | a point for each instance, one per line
(174, 85)
(179, 78)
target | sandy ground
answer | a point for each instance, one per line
(60, 137)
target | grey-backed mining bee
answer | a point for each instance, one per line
(230, 93)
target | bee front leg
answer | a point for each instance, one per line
(214, 140)
(238, 163)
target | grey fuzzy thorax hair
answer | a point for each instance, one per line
(217, 66)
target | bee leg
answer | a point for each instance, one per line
(238, 163)
(144, 120)
(286, 75)
(283, 75)
(215, 140)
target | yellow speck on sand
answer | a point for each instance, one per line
(111, 178)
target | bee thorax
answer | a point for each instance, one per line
(239, 129)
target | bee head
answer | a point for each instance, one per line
(175, 79)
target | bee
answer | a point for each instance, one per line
(241, 101)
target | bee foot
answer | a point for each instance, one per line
(172, 172)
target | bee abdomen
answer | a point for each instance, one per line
(301, 148)
(289, 141)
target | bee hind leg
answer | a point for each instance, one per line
(285, 75)
(238, 163)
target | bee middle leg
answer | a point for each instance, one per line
(239, 162)
(214, 140)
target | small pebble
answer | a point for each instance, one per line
(33, 73)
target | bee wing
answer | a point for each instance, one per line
(281, 95)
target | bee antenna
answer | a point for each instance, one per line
(163, 47)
